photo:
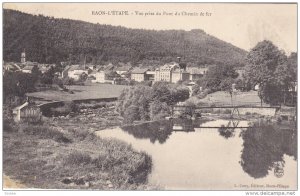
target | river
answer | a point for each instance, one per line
(215, 155)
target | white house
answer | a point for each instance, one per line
(75, 71)
(27, 69)
(10, 67)
(139, 74)
(99, 77)
(197, 72)
(171, 72)
(179, 75)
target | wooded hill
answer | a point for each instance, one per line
(51, 40)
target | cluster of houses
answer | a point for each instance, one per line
(170, 72)
(25, 66)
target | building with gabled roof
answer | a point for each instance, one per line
(196, 72)
(171, 72)
(10, 66)
(75, 71)
(123, 69)
(109, 67)
(27, 112)
(139, 74)
(27, 69)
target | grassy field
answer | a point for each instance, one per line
(90, 91)
(49, 157)
(223, 98)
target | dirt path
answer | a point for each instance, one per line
(11, 184)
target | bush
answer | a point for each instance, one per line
(131, 114)
(93, 105)
(125, 164)
(139, 98)
(45, 132)
(66, 109)
(226, 111)
(68, 81)
(78, 158)
(79, 134)
(189, 110)
(203, 94)
(8, 125)
(159, 110)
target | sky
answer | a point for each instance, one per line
(242, 25)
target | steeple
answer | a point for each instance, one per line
(23, 57)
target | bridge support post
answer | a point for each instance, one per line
(235, 111)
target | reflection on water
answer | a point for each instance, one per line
(264, 148)
(159, 131)
(218, 155)
(226, 132)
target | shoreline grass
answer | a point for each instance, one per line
(40, 156)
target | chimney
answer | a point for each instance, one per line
(182, 65)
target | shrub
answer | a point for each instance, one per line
(77, 158)
(66, 109)
(227, 111)
(79, 134)
(8, 125)
(159, 110)
(189, 110)
(203, 94)
(45, 132)
(93, 105)
(279, 120)
(131, 114)
(68, 81)
(124, 164)
(135, 102)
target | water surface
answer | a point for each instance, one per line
(189, 155)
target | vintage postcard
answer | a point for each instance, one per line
(150, 96)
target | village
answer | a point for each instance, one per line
(120, 73)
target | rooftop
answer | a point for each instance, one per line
(123, 68)
(139, 70)
(197, 70)
(76, 67)
(28, 67)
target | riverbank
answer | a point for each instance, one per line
(89, 119)
(64, 153)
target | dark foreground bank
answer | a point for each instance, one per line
(46, 157)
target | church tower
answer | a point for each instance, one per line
(23, 57)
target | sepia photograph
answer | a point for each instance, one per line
(149, 96)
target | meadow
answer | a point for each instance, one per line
(76, 92)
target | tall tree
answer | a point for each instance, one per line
(216, 74)
(262, 62)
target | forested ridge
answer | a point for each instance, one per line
(52, 40)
